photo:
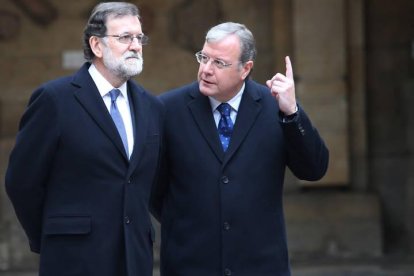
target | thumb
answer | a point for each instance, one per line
(269, 83)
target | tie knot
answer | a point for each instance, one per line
(224, 109)
(114, 93)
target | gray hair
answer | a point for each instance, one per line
(96, 25)
(247, 42)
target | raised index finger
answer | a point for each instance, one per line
(289, 70)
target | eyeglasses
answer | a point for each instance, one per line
(129, 38)
(203, 59)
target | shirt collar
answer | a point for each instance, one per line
(233, 102)
(103, 85)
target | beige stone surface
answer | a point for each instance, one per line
(320, 70)
(319, 38)
(333, 224)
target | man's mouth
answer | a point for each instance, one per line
(207, 82)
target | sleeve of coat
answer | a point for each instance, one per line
(307, 154)
(30, 162)
(160, 186)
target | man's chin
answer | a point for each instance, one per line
(133, 71)
(205, 91)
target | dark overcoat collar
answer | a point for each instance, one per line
(247, 114)
(88, 96)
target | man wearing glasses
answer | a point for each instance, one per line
(228, 141)
(86, 155)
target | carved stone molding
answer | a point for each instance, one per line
(190, 21)
(40, 11)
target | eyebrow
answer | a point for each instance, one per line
(217, 58)
(130, 33)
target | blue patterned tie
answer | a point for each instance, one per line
(225, 126)
(116, 116)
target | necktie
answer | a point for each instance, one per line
(116, 116)
(225, 126)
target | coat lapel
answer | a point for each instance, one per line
(90, 99)
(200, 108)
(249, 109)
(141, 110)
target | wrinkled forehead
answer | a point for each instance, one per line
(124, 23)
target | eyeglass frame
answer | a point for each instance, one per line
(141, 38)
(218, 63)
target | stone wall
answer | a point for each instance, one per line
(389, 83)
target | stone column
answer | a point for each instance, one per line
(320, 66)
(325, 41)
(355, 13)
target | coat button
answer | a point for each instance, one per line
(225, 179)
(129, 181)
(226, 226)
(301, 129)
(127, 220)
(227, 272)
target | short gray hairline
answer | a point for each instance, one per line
(245, 36)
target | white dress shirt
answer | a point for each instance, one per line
(122, 102)
(233, 102)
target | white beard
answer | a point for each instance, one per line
(129, 65)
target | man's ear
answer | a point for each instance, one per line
(247, 68)
(96, 46)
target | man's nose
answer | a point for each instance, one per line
(135, 44)
(207, 67)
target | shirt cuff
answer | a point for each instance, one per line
(288, 118)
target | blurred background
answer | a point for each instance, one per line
(353, 62)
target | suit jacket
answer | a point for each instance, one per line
(81, 202)
(222, 213)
